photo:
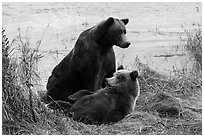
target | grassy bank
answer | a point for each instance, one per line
(167, 104)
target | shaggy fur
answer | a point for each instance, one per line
(107, 105)
(90, 61)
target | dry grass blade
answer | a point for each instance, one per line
(167, 105)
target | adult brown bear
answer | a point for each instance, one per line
(90, 61)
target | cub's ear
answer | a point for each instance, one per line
(134, 74)
(109, 21)
(120, 67)
(125, 21)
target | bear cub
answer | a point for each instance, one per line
(109, 104)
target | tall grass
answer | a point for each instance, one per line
(21, 105)
(193, 46)
(18, 74)
(24, 113)
(22, 109)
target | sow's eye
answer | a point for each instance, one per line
(122, 31)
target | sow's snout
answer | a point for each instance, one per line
(125, 45)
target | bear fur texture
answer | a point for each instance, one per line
(109, 104)
(90, 61)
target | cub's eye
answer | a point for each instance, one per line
(119, 78)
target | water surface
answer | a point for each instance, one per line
(154, 29)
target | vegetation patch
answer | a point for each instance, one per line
(167, 104)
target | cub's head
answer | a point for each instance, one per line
(112, 31)
(126, 82)
(123, 79)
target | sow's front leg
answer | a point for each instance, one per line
(109, 66)
(108, 75)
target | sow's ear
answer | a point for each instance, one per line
(134, 75)
(109, 22)
(125, 21)
(120, 67)
(100, 29)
